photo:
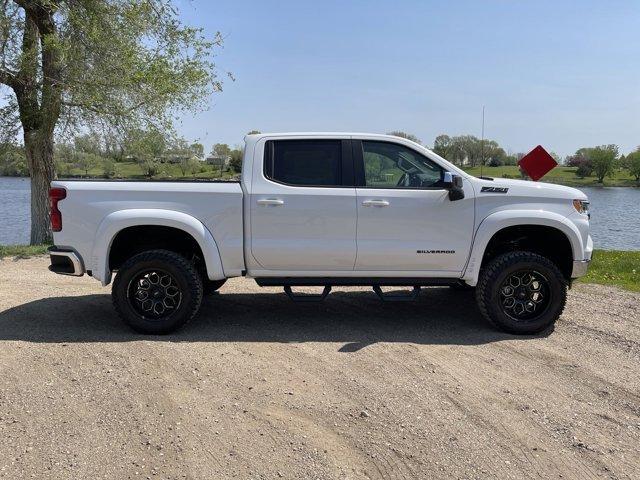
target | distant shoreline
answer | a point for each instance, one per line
(577, 183)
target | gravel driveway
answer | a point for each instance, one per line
(260, 387)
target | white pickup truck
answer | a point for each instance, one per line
(334, 209)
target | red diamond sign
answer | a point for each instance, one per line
(537, 163)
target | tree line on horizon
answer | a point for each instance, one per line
(469, 151)
(152, 149)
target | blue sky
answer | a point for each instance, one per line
(564, 74)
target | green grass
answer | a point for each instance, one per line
(561, 175)
(614, 267)
(22, 251)
(131, 170)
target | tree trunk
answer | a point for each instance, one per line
(39, 152)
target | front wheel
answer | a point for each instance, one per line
(521, 292)
(157, 292)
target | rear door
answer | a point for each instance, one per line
(406, 221)
(303, 205)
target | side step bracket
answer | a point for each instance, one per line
(305, 297)
(397, 297)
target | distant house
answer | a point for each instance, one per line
(217, 161)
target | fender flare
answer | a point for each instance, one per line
(497, 221)
(117, 221)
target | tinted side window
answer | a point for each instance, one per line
(304, 162)
(389, 165)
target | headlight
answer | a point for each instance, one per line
(581, 206)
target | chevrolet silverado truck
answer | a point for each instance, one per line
(326, 210)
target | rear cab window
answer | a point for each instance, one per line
(308, 163)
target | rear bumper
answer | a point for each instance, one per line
(65, 262)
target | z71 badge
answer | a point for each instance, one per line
(494, 190)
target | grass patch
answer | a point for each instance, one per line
(614, 267)
(167, 171)
(22, 251)
(561, 175)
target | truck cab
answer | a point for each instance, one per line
(327, 209)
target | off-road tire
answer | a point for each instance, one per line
(491, 282)
(211, 286)
(184, 278)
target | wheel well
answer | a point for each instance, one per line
(546, 241)
(133, 240)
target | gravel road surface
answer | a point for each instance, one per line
(260, 387)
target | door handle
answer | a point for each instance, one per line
(375, 203)
(270, 201)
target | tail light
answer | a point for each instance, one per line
(55, 195)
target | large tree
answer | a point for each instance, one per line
(601, 160)
(83, 64)
(443, 146)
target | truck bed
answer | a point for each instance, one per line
(88, 204)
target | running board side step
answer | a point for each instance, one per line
(397, 297)
(416, 283)
(307, 297)
(355, 281)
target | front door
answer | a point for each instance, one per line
(303, 206)
(406, 221)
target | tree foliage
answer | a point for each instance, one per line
(104, 64)
(633, 164)
(603, 160)
(408, 136)
(470, 150)
(109, 168)
(221, 150)
(235, 162)
(600, 161)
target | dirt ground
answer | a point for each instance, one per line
(260, 387)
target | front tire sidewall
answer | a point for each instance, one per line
(184, 279)
(490, 296)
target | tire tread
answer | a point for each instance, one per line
(193, 279)
(493, 269)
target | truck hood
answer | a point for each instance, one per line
(530, 188)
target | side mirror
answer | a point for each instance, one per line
(453, 183)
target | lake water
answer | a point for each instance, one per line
(615, 214)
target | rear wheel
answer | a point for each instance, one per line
(521, 292)
(157, 292)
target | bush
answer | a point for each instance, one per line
(150, 167)
(235, 162)
(64, 168)
(13, 167)
(576, 160)
(12, 161)
(109, 168)
(585, 168)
